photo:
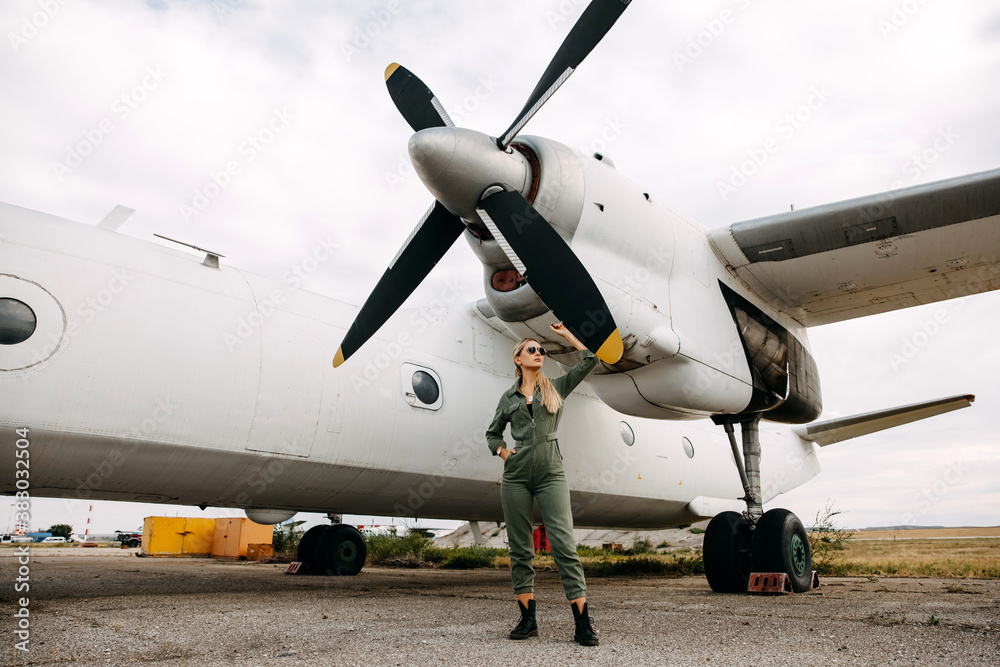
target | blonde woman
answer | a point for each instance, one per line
(533, 470)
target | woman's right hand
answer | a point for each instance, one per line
(505, 453)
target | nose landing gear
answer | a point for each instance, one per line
(756, 541)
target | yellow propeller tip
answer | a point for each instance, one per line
(390, 69)
(339, 358)
(611, 350)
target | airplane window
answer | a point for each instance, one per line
(627, 435)
(425, 387)
(688, 447)
(421, 386)
(17, 321)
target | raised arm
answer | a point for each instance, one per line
(588, 362)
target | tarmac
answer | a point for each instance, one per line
(108, 607)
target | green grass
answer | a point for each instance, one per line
(418, 550)
(675, 564)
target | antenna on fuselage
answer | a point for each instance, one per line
(211, 257)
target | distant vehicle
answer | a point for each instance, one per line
(53, 539)
(32, 537)
(128, 538)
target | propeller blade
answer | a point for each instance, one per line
(427, 244)
(553, 271)
(414, 99)
(590, 28)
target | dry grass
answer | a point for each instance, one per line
(993, 531)
(680, 562)
(944, 558)
(972, 558)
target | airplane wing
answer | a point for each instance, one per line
(873, 254)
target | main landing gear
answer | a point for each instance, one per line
(337, 550)
(754, 541)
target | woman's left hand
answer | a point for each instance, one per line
(560, 329)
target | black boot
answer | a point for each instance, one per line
(527, 627)
(585, 634)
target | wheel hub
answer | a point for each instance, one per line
(798, 554)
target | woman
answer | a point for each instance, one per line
(533, 470)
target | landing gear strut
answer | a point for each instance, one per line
(755, 541)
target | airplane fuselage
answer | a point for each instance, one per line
(153, 377)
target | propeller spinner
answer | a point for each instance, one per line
(470, 174)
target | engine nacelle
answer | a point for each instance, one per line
(555, 187)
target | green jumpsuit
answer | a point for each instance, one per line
(535, 470)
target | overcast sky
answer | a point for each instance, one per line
(141, 103)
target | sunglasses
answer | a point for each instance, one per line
(532, 349)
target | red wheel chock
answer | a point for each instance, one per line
(775, 583)
(297, 567)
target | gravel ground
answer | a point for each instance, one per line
(105, 606)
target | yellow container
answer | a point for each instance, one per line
(232, 536)
(177, 536)
(259, 551)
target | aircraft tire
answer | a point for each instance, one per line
(780, 544)
(307, 552)
(726, 553)
(341, 551)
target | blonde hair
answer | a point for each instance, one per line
(550, 397)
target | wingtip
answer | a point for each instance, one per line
(339, 358)
(390, 70)
(611, 349)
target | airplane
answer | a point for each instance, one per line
(147, 373)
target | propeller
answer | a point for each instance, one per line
(529, 241)
(430, 239)
(415, 101)
(549, 266)
(427, 244)
(589, 29)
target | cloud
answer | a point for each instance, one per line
(227, 72)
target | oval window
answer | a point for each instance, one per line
(425, 387)
(17, 321)
(688, 447)
(626, 432)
